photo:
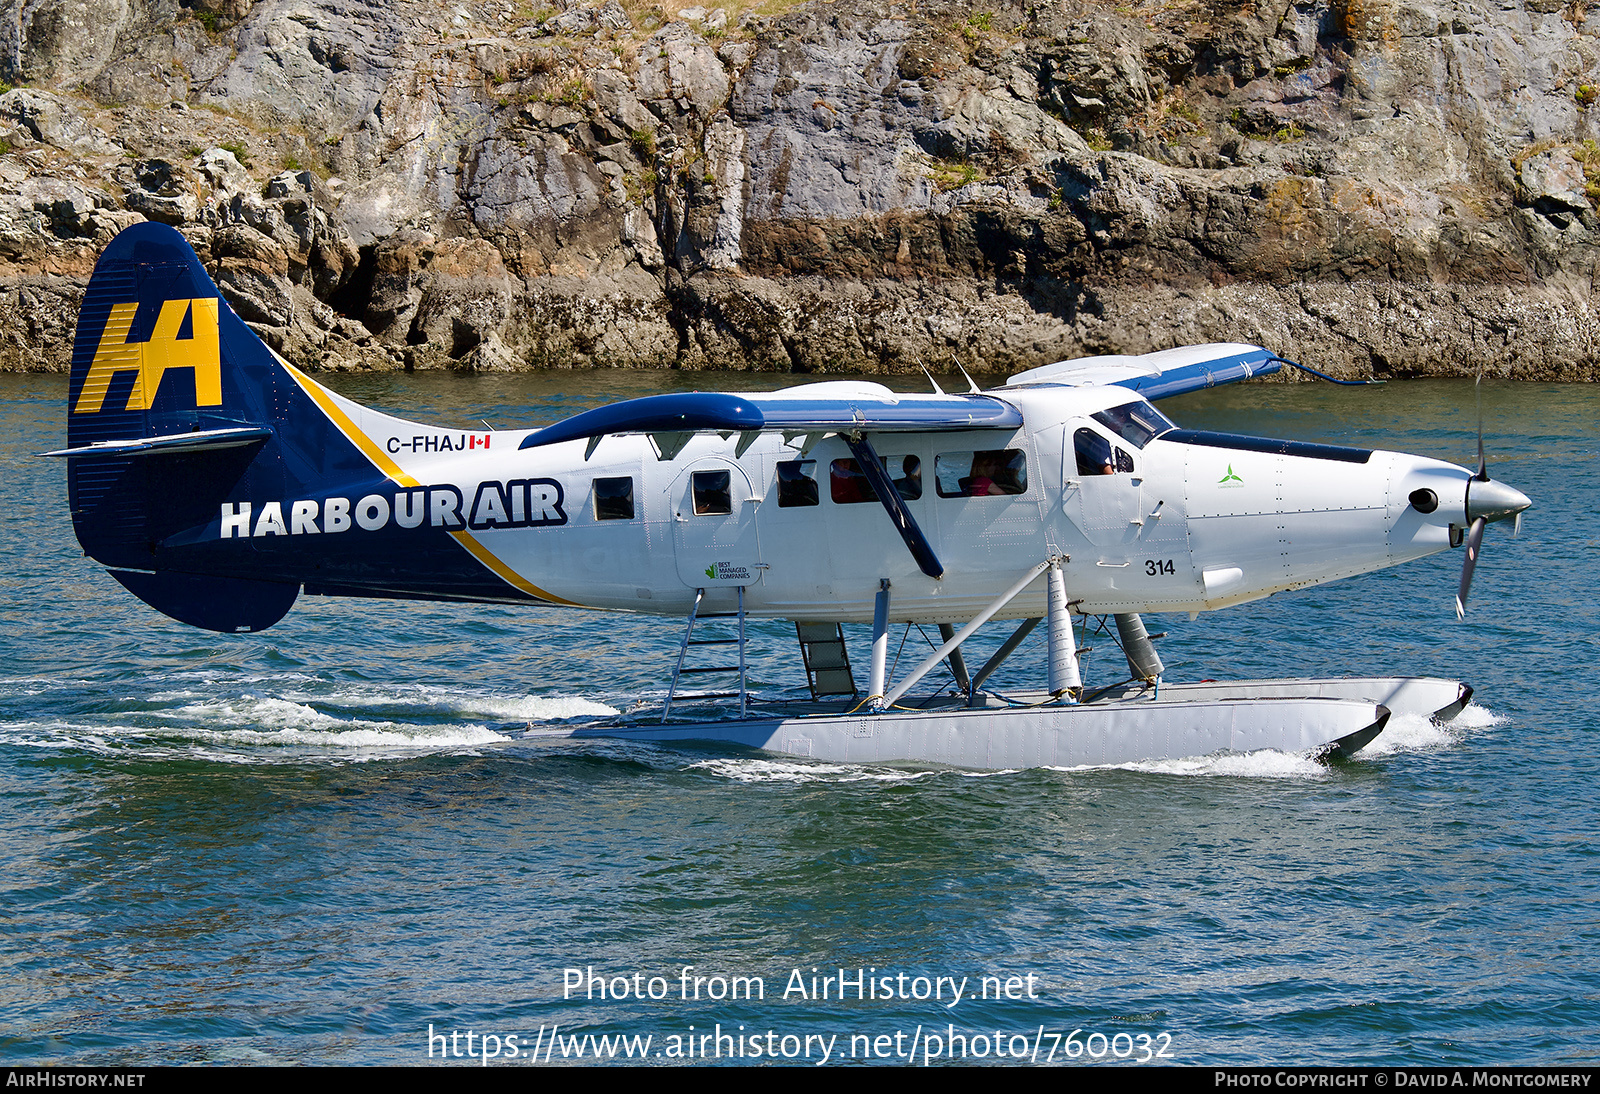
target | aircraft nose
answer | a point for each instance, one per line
(1494, 500)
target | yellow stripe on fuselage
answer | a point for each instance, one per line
(506, 573)
(380, 459)
(319, 394)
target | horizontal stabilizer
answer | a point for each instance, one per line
(834, 407)
(209, 440)
(1162, 374)
(212, 603)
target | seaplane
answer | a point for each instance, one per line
(218, 483)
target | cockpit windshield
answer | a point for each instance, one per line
(1136, 422)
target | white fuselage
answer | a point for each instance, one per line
(1176, 527)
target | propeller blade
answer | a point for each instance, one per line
(1474, 542)
(1516, 526)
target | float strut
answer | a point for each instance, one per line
(1064, 680)
(880, 644)
(1143, 660)
(961, 636)
(744, 693)
(1006, 650)
(958, 664)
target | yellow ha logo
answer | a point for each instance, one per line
(150, 360)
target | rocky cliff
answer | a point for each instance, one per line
(1389, 187)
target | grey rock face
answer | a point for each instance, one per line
(1378, 186)
(680, 72)
(323, 64)
(1554, 178)
(52, 120)
(830, 130)
(59, 42)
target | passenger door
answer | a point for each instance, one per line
(714, 525)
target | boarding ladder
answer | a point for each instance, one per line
(826, 659)
(689, 640)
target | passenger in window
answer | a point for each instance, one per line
(981, 482)
(1013, 476)
(847, 485)
(909, 484)
(988, 472)
(981, 474)
(1094, 453)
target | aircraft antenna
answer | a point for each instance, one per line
(972, 386)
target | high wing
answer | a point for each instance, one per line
(854, 406)
(1162, 374)
(834, 407)
(857, 406)
(850, 408)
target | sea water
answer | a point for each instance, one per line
(325, 842)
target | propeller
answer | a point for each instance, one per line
(1487, 500)
(1470, 563)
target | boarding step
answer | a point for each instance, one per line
(826, 659)
(696, 617)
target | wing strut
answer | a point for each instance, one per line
(893, 504)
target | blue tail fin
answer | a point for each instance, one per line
(157, 351)
(163, 371)
(198, 461)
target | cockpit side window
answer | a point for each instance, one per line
(1136, 422)
(1098, 456)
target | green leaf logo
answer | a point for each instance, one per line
(1230, 477)
(711, 572)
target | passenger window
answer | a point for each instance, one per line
(981, 474)
(1097, 456)
(797, 483)
(613, 499)
(909, 481)
(847, 484)
(712, 496)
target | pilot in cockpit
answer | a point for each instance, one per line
(1094, 453)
